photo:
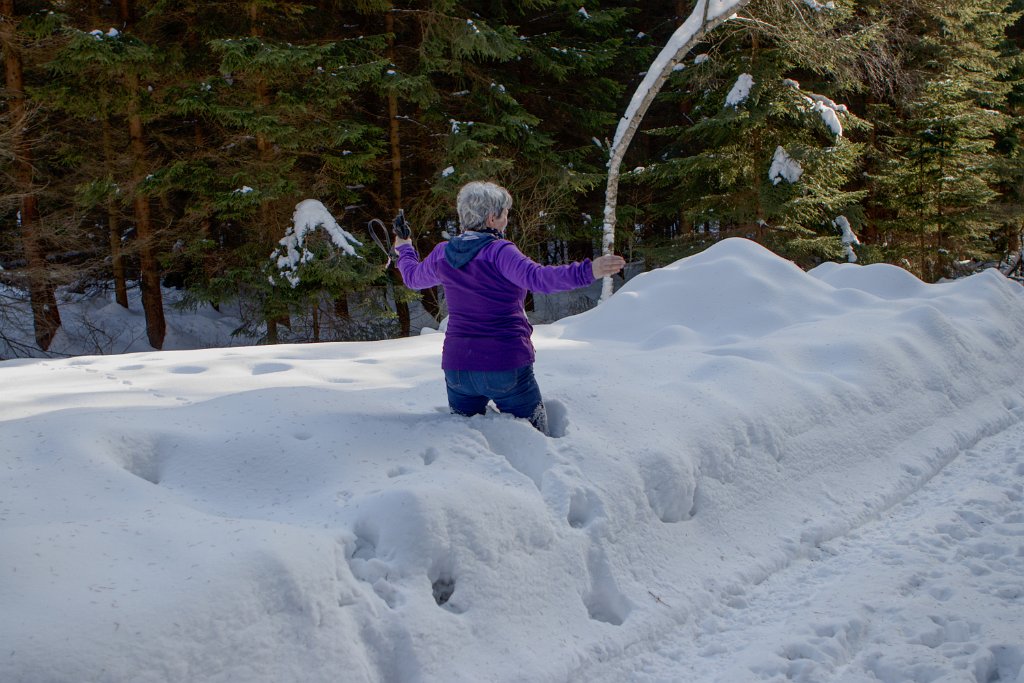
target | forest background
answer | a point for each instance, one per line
(159, 144)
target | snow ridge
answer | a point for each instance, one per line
(283, 513)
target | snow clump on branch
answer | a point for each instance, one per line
(818, 7)
(826, 108)
(784, 167)
(849, 239)
(292, 252)
(740, 91)
(99, 35)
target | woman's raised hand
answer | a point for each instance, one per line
(606, 265)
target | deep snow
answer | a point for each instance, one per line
(757, 474)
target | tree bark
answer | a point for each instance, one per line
(341, 311)
(432, 303)
(126, 12)
(149, 267)
(45, 315)
(265, 149)
(396, 149)
(401, 307)
(113, 219)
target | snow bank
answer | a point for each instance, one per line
(305, 513)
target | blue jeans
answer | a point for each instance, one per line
(514, 392)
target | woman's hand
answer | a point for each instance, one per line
(399, 242)
(606, 265)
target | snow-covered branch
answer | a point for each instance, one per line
(309, 215)
(849, 238)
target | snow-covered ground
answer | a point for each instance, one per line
(756, 474)
(931, 590)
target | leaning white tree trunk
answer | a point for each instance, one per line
(706, 16)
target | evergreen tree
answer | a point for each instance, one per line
(275, 122)
(1010, 145)
(940, 170)
(514, 92)
(758, 155)
(21, 152)
(469, 96)
(570, 78)
(103, 76)
(183, 139)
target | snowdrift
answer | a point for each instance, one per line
(312, 513)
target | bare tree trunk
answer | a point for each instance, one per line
(396, 149)
(401, 307)
(45, 316)
(149, 267)
(126, 12)
(265, 148)
(1014, 253)
(116, 254)
(432, 303)
(341, 311)
(114, 220)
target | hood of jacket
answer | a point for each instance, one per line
(463, 248)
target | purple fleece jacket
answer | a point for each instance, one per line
(487, 325)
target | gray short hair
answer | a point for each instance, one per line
(477, 200)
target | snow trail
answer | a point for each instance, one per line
(896, 599)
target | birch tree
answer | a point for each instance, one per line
(707, 15)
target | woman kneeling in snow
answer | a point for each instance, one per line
(487, 352)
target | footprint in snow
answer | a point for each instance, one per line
(188, 370)
(268, 368)
(430, 456)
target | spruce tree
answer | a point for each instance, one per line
(21, 152)
(1010, 146)
(105, 76)
(758, 153)
(467, 93)
(570, 76)
(514, 92)
(940, 171)
(273, 109)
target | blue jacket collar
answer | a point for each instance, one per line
(462, 249)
